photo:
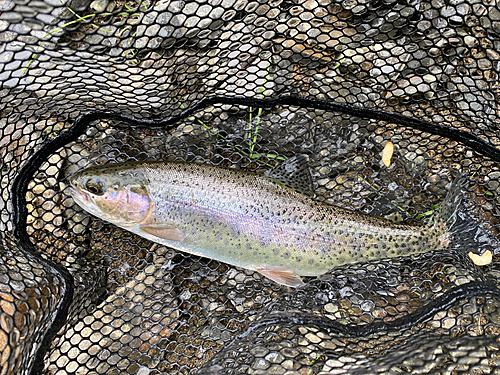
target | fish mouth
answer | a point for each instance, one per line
(82, 199)
(79, 195)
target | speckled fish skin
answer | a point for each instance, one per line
(246, 220)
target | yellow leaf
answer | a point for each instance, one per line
(481, 260)
(387, 153)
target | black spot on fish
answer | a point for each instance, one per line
(264, 242)
(286, 254)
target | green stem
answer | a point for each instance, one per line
(252, 156)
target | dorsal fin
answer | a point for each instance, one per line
(293, 173)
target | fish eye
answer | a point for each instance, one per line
(95, 186)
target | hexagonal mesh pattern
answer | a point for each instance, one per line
(246, 85)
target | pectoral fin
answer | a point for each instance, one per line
(281, 276)
(165, 231)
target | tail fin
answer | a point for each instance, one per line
(464, 232)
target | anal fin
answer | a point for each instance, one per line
(165, 231)
(282, 276)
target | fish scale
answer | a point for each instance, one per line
(255, 221)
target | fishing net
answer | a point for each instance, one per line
(246, 84)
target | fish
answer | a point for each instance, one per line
(271, 223)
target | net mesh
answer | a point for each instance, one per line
(245, 85)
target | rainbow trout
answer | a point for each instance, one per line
(267, 223)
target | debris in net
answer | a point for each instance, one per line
(387, 153)
(481, 260)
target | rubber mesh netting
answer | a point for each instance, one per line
(246, 84)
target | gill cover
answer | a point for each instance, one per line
(137, 207)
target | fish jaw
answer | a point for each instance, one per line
(84, 200)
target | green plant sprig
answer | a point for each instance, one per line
(80, 19)
(428, 213)
(270, 156)
(253, 141)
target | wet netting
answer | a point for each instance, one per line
(391, 100)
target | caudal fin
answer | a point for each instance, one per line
(465, 233)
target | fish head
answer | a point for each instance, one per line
(116, 195)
